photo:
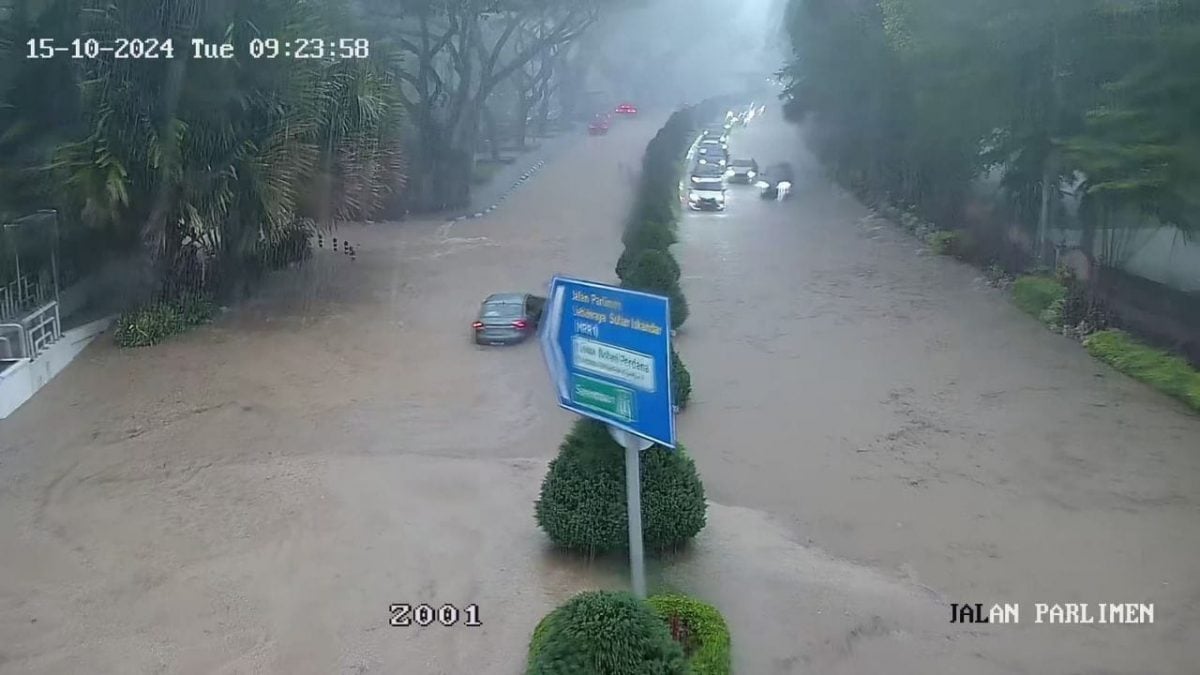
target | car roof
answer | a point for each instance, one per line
(504, 298)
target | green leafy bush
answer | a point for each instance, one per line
(1082, 310)
(604, 633)
(681, 381)
(150, 324)
(701, 630)
(582, 501)
(944, 242)
(1052, 316)
(1165, 372)
(1034, 294)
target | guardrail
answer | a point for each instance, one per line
(20, 294)
(42, 328)
(32, 335)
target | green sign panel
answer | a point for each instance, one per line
(603, 397)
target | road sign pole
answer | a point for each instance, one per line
(633, 498)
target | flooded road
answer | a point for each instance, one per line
(892, 411)
(879, 436)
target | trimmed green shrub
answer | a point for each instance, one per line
(604, 633)
(699, 628)
(582, 501)
(681, 381)
(679, 309)
(1034, 294)
(655, 271)
(151, 324)
(1166, 372)
(648, 235)
(626, 260)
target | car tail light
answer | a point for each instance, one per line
(478, 325)
(520, 324)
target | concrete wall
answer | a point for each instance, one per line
(19, 383)
(1151, 250)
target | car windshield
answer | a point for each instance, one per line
(706, 171)
(500, 309)
(708, 186)
(741, 164)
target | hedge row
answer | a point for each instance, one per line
(582, 507)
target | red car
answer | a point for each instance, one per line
(599, 125)
(627, 109)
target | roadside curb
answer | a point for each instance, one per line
(529, 173)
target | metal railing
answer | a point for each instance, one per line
(32, 335)
(18, 295)
(42, 328)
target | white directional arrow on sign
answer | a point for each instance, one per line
(556, 362)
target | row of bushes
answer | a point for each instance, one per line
(582, 505)
(1066, 306)
(646, 264)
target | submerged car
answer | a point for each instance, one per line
(742, 171)
(776, 181)
(706, 195)
(627, 109)
(507, 318)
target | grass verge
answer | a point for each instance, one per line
(1035, 294)
(1165, 372)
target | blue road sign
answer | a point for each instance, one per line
(609, 354)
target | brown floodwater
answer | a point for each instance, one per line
(880, 434)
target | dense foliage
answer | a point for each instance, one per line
(604, 633)
(197, 162)
(700, 628)
(582, 502)
(912, 100)
(151, 324)
(212, 170)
